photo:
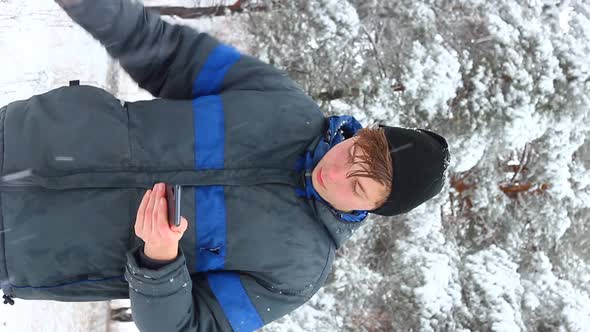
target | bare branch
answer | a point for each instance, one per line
(194, 12)
(523, 161)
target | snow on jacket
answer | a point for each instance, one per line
(76, 162)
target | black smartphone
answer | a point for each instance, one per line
(173, 197)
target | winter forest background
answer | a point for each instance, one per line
(506, 245)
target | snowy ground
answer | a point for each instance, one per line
(50, 316)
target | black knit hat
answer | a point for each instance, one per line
(420, 158)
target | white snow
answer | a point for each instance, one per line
(432, 77)
(492, 289)
(429, 264)
(467, 152)
(41, 50)
(564, 18)
(52, 316)
(559, 298)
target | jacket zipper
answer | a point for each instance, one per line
(18, 184)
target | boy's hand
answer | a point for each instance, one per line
(151, 225)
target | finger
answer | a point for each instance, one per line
(179, 231)
(157, 202)
(161, 189)
(162, 218)
(183, 225)
(148, 229)
(139, 220)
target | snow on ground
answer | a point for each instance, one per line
(41, 49)
(52, 316)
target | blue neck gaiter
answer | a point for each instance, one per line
(339, 129)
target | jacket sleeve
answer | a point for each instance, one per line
(169, 60)
(171, 299)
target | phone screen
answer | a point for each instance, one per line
(173, 197)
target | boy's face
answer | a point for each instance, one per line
(345, 193)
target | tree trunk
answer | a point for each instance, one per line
(195, 12)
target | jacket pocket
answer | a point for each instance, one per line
(62, 240)
(68, 129)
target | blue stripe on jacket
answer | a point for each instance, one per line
(211, 77)
(209, 200)
(210, 213)
(236, 304)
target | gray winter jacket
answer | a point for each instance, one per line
(76, 162)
